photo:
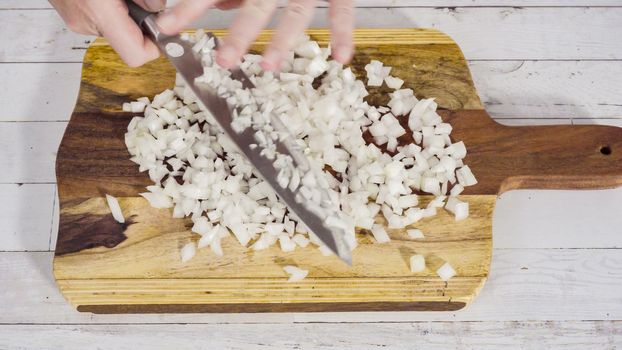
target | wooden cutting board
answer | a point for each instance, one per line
(105, 267)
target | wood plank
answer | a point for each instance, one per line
(563, 219)
(542, 284)
(483, 33)
(573, 89)
(578, 335)
(586, 91)
(38, 4)
(43, 37)
(26, 216)
(25, 4)
(39, 91)
(28, 151)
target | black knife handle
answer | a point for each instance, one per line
(137, 13)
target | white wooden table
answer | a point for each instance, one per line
(556, 279)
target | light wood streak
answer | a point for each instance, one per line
(579, 335)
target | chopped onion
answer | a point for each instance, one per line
(393, 82)
(465, 176)
(446, 272)
(287, 245)
(459, 208)
(300, 240)
(380, 234)
(115, 209)
(158, 200)
(197, 171)
(456, 190)
(417, 263)
(187, 252)
(415, 234)
(295, 274)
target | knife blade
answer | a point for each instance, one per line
(189, 66)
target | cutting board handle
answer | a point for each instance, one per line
(505, 158)
(562, 157)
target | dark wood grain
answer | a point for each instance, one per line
(256, 307)
(82, 232)
(537, 157)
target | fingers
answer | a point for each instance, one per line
(342, 25)
(295, 20)
(152, 5)
(124, 35)
(228, 4)
(76, 16)
(182, 15)
(253, 16)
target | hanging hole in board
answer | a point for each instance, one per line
(605, 150)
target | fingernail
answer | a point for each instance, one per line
(271, 60)
(155, 5)
(226, 57)
(167, 21)
(343, 54)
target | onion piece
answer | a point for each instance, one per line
(456, 190)
(380, 234)
(187, 252)
(300, 240)
(158, 200)
(115, 209)
(465, 176)
(393, 82)
(295, 274)
(446, 272)
(417, 263)
(459, 208)
(415, 234)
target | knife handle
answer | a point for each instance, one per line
(144, 19)
(137, 13)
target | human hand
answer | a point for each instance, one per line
(110, 19)
(254, 15)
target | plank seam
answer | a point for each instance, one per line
(296, 322)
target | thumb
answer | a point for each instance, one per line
(152, 5)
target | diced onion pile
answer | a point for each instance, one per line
(197, 171)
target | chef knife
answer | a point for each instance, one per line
(188, 65)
